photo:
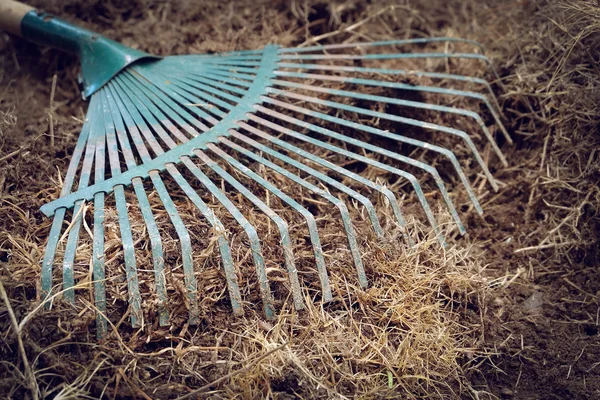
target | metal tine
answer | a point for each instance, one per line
(397, 42)
(77, 218)
(404, 120)
(184, 238)
(187, 84)
(210, 80)
(134, 80)
(309, 218)
(411, 178)
(447, 153)
(401, 102)
(418, 143)
(98, 274)
(120, 118)
(134, 298)
(327, 164)
(311, 171)
(149, 112)
(383, 56)
(282, 226)
(393, 43)
(54, 236)
(418, 164)
(429, 169)
(385, 71)
(248, 228)
(345, 214)
(420, 88)
(259, 262)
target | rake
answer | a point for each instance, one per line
(206, 120)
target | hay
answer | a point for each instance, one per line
(432, 324)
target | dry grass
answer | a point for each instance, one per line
(430, 318)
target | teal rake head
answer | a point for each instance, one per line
(202, 115)
(201, 122)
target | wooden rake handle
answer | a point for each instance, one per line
(11, 15)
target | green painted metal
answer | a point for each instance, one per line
(101, 58)
(182, 120)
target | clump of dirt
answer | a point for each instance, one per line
(508, 312)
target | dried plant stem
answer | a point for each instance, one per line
(29, 376)
(231, 374)
(51, 110)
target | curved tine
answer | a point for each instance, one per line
(121, 118)
(414, 142)
(147, 107)
(380, 43)
(154, 99)
(228, 265)
(411, 178)
(186, 246)
(344, 213)
(57, 222)
(310, 219)
(98, 242)
(418, 164)
(135, 299)
(384, 56)
(240, 76)
(259, 262)
(205, 81)
(184, 97)
(361, 127)
(430, 169)
(181, 230)
(408, 121)
(327, 164)
(282, 226)
(84, 179)
(341, 187)
(385, 71)
(401, 102)
(186, 82)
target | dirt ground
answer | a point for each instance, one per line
(512, 310)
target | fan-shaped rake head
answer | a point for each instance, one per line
(206, 121)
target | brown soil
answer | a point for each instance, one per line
(510, 311)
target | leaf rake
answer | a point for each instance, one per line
(193, 117)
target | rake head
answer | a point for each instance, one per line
(203, 121)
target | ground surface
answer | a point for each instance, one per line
(511, 312)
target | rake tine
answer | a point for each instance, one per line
(447, 153)
(310, 219)
(98, 242)
(134, 298)
(227, 259)
(159, 98)
(429, 169)
(286, 242)
(54, 236)
(409, 121)
(385, 71)
(411, 178)
(84, 178)
(259, 261)
(393, 42)
(383, 190)
(120, 115)
(345, 214)
(343, 188)
(161, 190)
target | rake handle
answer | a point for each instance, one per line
(11, 15)
(101, 58)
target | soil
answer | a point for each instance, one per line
(530, 305)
